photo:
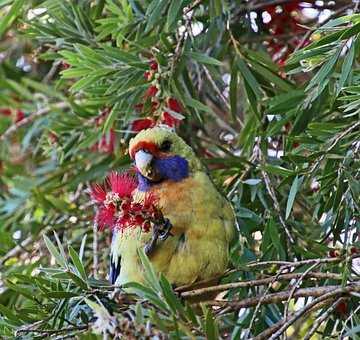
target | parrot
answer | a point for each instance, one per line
(200, 222)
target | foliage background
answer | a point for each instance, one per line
(270, 93)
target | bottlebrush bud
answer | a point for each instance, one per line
(153, 65)
(151, 91)
(334, 253)
(354, 250)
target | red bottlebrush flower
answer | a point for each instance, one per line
(19, 116)
(151, 91)
(153, 65)
(122, 184)
(5, 112)
(123, 222)
(105, 217)
(139, 220)
(98, 193)
(136, 207)
(149, 201)
(142, 124)
(116, 207)
(125, 206)
(174, 105)
(170, 120)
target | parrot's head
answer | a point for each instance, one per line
(160, 155)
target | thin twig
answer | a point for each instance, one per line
(217, 90)
(21, 247)
(296, 285)
(95, 251)
(260, 282)
(190, 8)
(310, 31)
(322, 297)
(266, 333)
(31, 118)
(286, 264)
(284, 295)
(52, 331)
(321, 319)
(357, 309)
(271, 192)
(300, 263)
(259, 304)
(52, 71)
(334, 142)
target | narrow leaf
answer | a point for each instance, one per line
(291, 198)
(54, 252)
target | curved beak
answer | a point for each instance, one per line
(143, 160)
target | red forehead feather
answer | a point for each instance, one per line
(148, 146)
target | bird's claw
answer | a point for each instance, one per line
(165, 230)
(160, 232)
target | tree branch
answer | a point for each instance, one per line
(265, 334)
(321, 319)
(281, 296)
(31, 118)
(324, 296)
(260, 282)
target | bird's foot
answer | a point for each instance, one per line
(164, 230)
(161, 231)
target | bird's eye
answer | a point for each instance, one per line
(165, 146)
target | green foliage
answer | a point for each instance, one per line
(283, 147)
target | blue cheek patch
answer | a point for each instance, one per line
(174, 168)
(143, 183)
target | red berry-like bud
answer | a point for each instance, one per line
(146, 226)
(19, 116)
(5, 112)
(334, 253)
(151, 91)
(142, 124)
(154, 106)
(53, 138)
(153, 65)
(354, 250)
(342, 308)
(139, 107)
(136, 207)
(147, 75)
(170, 120)
(65, 65)
(125, 206)
(138, 219)
(174, 105)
